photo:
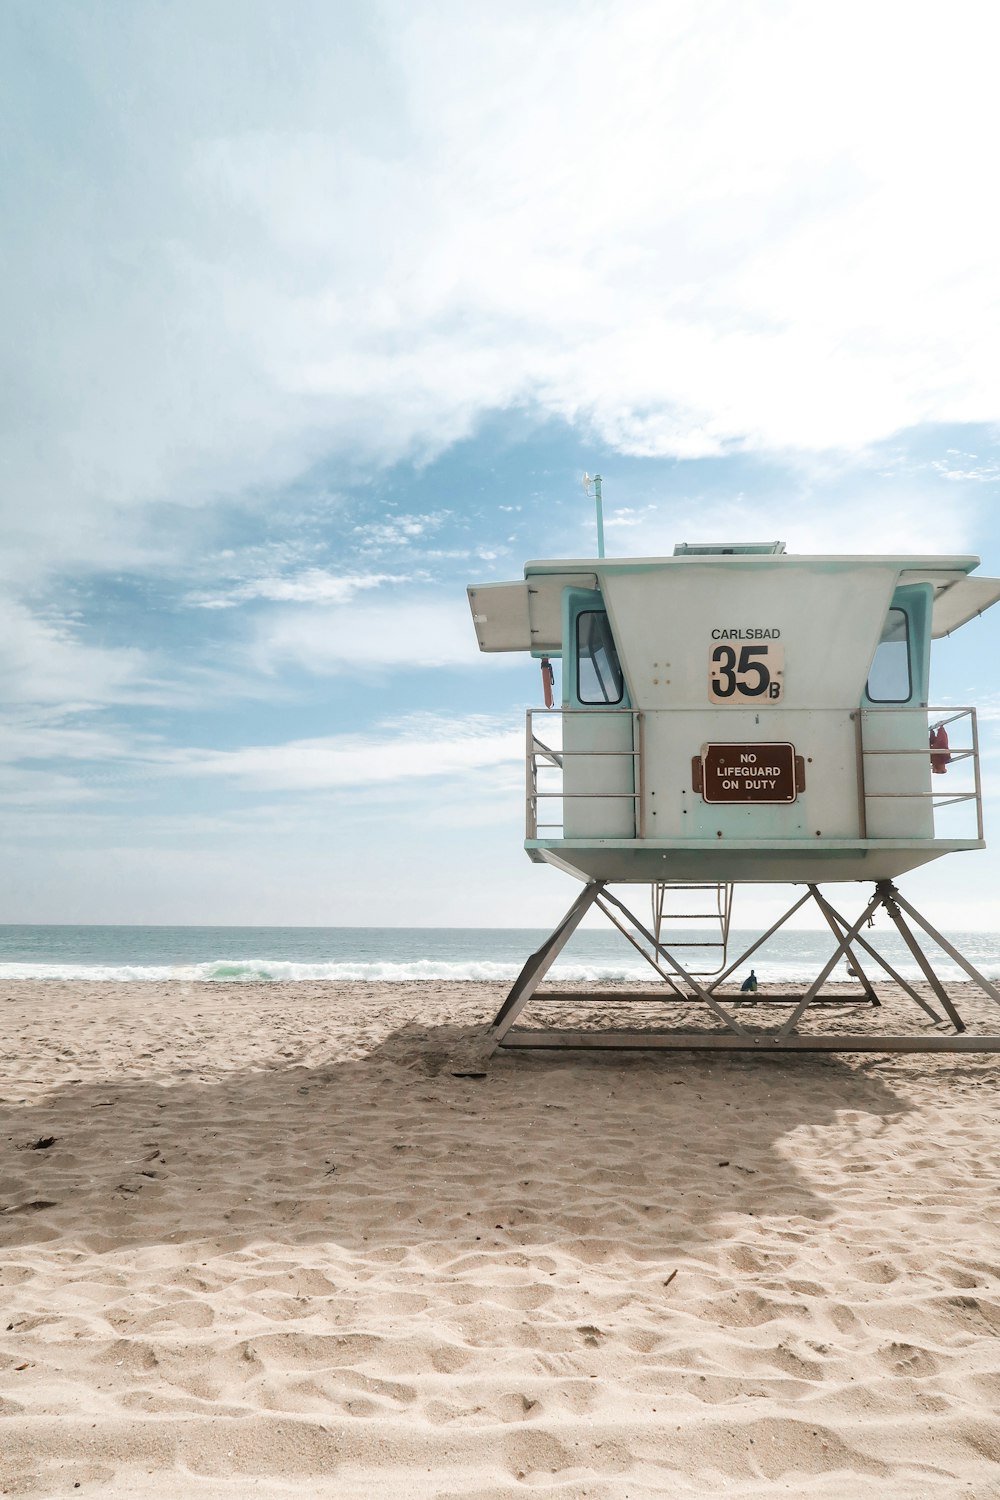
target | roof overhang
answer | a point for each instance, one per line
(527, 615)
(524, 616)
(961, 600)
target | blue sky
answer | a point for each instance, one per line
(316, 314)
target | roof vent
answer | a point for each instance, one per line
(729, 549)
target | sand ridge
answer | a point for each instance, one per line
(257, 1239)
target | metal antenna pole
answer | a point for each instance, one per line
(600, 515)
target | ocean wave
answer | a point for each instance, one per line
(247, 970)
(565, 970)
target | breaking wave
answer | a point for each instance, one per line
(786, 969)
(280, 970)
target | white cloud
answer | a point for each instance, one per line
(620, 224)
(626, 517)
(43, 661)
(398, 531)
(868, 522)
(310, 586)
(987, 473)
(396, 756)
(417, 631)
(26, 788)
(29, 734)
(690, 225)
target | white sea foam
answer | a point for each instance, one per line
(785, 970)
(243, 970)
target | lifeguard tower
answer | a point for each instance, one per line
(736, 714)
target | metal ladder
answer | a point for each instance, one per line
(716, 909)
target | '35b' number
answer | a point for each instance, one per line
(744, 672)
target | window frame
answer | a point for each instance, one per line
(895, 702)
(611, 653)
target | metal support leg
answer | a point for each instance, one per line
(759, 943)
(667, 978)
(703, 994)
(888, 896)
(832, 922)
(943, 943)
(883, 963)
(538, 966)
(842, 946)
(679, 981)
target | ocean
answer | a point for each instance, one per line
(358, 954)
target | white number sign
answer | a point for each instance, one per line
(746, 674)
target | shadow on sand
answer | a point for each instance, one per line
(608, 1151)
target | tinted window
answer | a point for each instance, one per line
(598, 674)
(889, 679)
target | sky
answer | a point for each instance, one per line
(316, 313)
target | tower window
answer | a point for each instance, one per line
(889, 680)
(598, 672)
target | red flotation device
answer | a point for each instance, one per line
(548, 678)
(939, 743)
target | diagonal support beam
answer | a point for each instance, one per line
(620, 926)
(884, 963)
(729, 1021)
(889, 898)
(538, 966)
(952, 952)
(685, 986)
(759, 943)
(843, 945)
(836, 926)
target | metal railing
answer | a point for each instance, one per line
(544, 759)
(541, 757)
(935, 718)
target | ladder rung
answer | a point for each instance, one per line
(677, 944)
(682, 885)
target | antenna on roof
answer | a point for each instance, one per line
(593, 486)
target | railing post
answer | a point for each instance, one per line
(859, 751)
(975, 766)
(639, 774)
(530, 788)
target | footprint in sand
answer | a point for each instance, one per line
(531, 1452)
(880, 1271)
(516, 1407)
(908, 1359)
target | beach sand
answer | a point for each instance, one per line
(257, 1240)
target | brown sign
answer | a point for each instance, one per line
(749, 773)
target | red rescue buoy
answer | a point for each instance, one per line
(548, 678)
(939, 742)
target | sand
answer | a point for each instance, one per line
(256, 1240)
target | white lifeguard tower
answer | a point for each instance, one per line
(736, 714)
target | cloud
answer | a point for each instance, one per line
(418, 631)
(43, 661)
(814, 504)
(365, 233)
(626, 517)
(619, 226)
(58, 734)
(24, 788)
(398, 531)
(310, 586)
(984, 473)
(393, 757)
